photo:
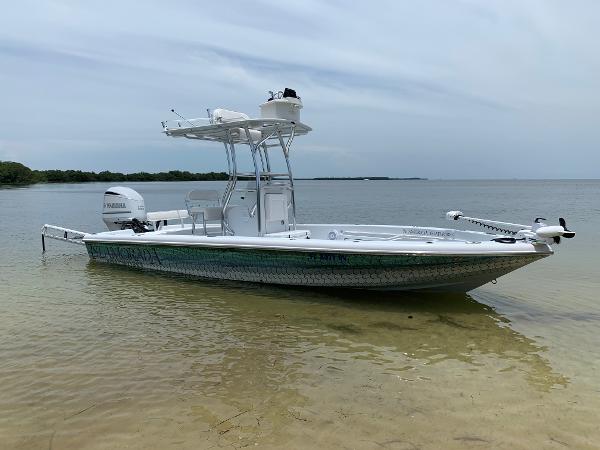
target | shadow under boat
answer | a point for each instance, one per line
(413, 327)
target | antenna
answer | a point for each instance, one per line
(180, 116)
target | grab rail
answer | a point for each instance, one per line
(61, 234)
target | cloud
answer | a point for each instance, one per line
(464, 78)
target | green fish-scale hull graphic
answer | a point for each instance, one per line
(326, 269)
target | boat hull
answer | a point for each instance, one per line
(317, 269)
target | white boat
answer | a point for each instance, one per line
(249, 232)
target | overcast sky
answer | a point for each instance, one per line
(430, 88)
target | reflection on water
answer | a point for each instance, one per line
(397, 331)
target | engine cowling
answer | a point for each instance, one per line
(122, 208)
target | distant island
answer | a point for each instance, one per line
(361, 178)
(14, 173)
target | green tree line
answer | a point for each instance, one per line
(17, 173)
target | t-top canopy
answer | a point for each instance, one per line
(236, 130)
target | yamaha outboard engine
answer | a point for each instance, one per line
(124, 208)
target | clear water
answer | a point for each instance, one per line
(94, 356)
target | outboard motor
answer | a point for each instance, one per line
(124, 209)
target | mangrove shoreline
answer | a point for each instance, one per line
(14, 173)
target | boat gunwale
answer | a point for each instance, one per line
(531, 250)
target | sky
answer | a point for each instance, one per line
(432, 88)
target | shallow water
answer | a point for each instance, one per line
(95, 356)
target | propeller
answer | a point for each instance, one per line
(568, 233)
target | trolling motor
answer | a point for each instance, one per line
(539, 231)
(553, 232)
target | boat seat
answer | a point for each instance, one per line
(163, 216)
(205, 204)
(255, 135)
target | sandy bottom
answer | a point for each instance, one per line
(185, 364)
